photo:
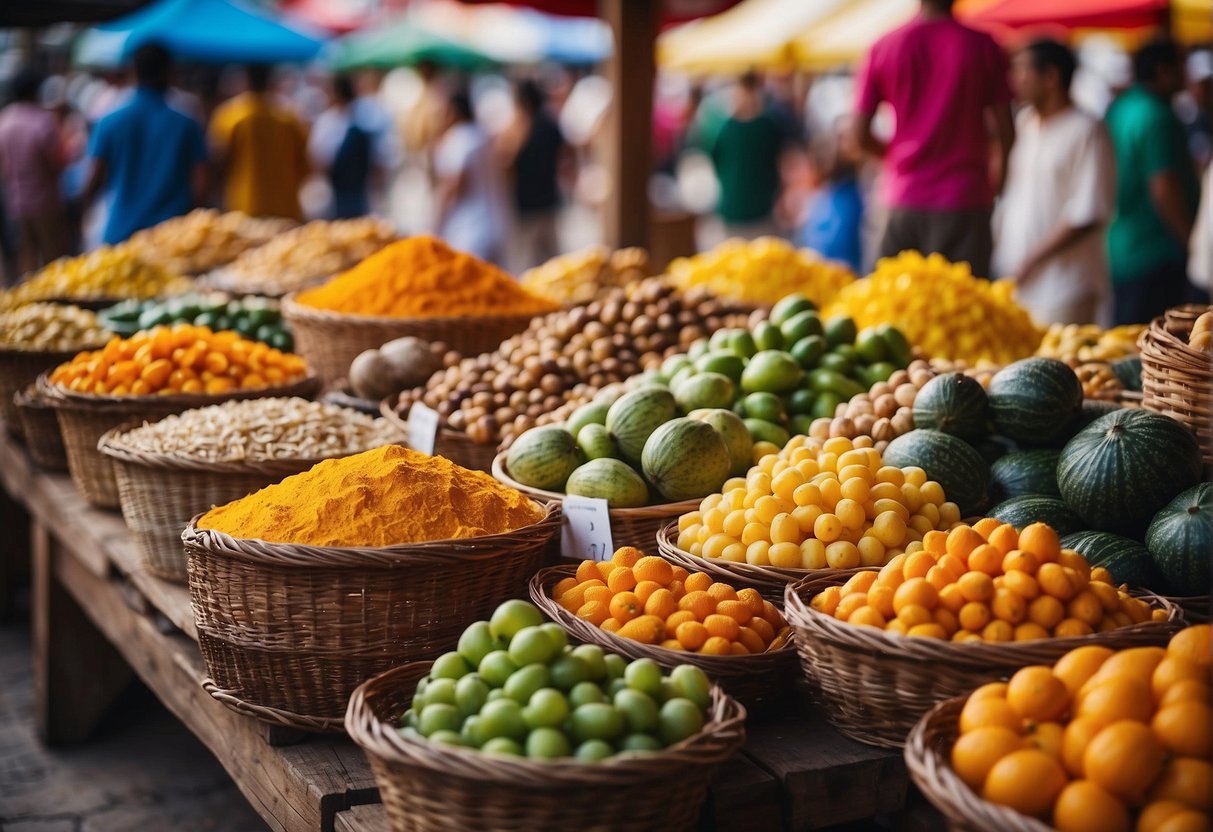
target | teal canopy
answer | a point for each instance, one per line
(403, 43)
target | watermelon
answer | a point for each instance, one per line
(1125, 466)
(1128, 561)
(953, 403)
(1180, 539)
(1038, 508)
(949, 461)
(1025, 472)
(1034, 400)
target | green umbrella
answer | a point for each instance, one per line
(403, 43)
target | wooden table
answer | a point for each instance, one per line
(99, 616)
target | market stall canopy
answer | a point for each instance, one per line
(208, 31)
(405, 42)
(1191, 21)
(845, 36)
(336, 16)
(511, 34)
(672, 11)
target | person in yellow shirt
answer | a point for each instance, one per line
(261, 150)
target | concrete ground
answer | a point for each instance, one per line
(142, 772)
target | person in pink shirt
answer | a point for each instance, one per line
(30, 163)
(949, 91)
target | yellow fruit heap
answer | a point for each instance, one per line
(647, 599)
(52, 327)
(942, 309)
(817, 505)
(761, 271)
(1090, 342)
(579, 277)
(1098, 736)
(183, 359)
(110, 272)
(986, 582)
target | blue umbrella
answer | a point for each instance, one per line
(208, 31)
(571, 40)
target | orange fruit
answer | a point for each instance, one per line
(1008, 606)
(696, 582)
(1108, 597)
(562, 587)
(647, 629)
(646, 588)
(691, 634)
(979, 713)
(1124, 758)
(672, 644)
(752, 641)
(738, 649)
(1187, 690)
(866, 616)
(1187, 780)
(597, 592)
(954, 566)
(1175, 669)
(931, 630)
(573, 598)
(1085, 607)
(722, 626)
(990, 690)
(915, 591)
(976, 586)
(587, 570)
(611, 625)
(880, 598)
(918, 565)
(1004, 538)
(825, 602)
(594, 612)
(1138, 662)
(772, 615)
(1053, 581)
(1022, 584)
(1046, 611)
(1074, 741)
(605, 568)
(625, 606)
(765, 631)
(985, 526)
(1155, 812)
(1040, 540)
(1047, 736)
(1193, 643)
(698, 603)
(976, 752)
(717, 646)
(621, 579)
(661, 603)
(1075, 561)
(1184, 728)
(859, 582)
(849, 604)
(1030, 631)
(736, 610)
(935, 542)
(626, 556)
(1189, 820)
(722, 592)
(911, 615)
(946, 619)
(1027, 781)
(1072, 627)
(680, 575)
(938, 578)
(1084, 806)
(653, 568)
(1116, 698)
(752, 598)
(986, 558)
(962, 540)
(1017, 560)
(1035, 693)
(998, 630)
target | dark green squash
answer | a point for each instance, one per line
(1036, 508)
(1180, 539)
(1025, 472)
(1034, 400)
(951, 462)
(953, 403)
(1128, 561)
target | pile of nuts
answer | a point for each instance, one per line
(51, 327)
(204, 239)
(562, 359)
(104, 273)
(256, 430)
(1090, 342)
(304, 256)
(886, 411)
(580, 276)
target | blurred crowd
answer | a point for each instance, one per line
(1081, 186)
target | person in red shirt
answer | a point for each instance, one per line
(948, 88)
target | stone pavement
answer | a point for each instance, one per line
(142, 772)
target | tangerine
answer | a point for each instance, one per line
(1084, 806)
(1125, 758)
(976, 752)
(1187, 780)
(1034, 693)
(1027, 781)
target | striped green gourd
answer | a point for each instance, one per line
(953, 403)
(1035, 400)
(1025, 472)
(1128, 561)
(1038, 508)
(1180, 539)
(951, 462)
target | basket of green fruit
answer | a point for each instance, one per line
(255, 318)
(518, 730)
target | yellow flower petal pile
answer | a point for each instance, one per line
(761, 271)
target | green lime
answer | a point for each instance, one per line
(614, 686)
(583, 693)
(557, 634)
(532, 645)
(523, 683)
(495, 694)
(680, 718)
(512, 616)
(408, 719)
(880, 371)
(470, 732)
(438, 717)
(615, 665)
(801, 325)
(638, 709)
(640, 742)
(725, 363)
(597, 721)
(593, 750)
(789, 306)
(446, 738)
(692, 683)
(764, 431)
(771, 371)
(547, 744)
(840, 330)
(449, 666)
(808, 351)
(475, 643)
(837, 362)
(673, 364)
(471, 693)
(568, 670)
(644, 675)
(699, 348)
(594, 658)
(825, 405)
(801, 401)
(502, 718)
(503, 745)
(496, 667)
(547, 708)
(440, 691)
(767, 336)
(741, 344)
(871, 345)
(899, 349)
(765, 406)
(800, 424)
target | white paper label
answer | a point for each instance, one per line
(422, 428)
(585, 533)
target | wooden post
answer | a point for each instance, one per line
(627, 133)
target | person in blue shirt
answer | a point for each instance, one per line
(834, 215)
(148, 157)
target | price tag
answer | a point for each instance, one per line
(586, 530)
(422, 428)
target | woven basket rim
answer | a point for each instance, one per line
(1160, 344)
(934, 776)
(721, 736)
(983, 655)
(71, 400)
(723, 666)
(291, 308)
(268, 553)
(8, 350)
(657, 511)
(273, 716)
(747, 571)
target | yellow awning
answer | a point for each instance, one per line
(755, 34)
(1192, 21)
(845, 36)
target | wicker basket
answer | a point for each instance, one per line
(1195, 608)
(873, 685)
(927, 751)
(40, 429)
(18, 370)
(297, 628)
(160, 493)
(629, 526)
(83, 419)
(1176, 379)
(433, 788)
(330, 341)
(757, 680)
(771, 581)
(454, 445)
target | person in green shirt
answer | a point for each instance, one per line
(1156, 190)
(745, 153)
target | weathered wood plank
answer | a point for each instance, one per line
(370, 817)
(741, 798)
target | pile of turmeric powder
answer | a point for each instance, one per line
(388, 496)
(423, 277)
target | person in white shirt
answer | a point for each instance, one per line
(351, 145)
(1059, 196)
(469, 187)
